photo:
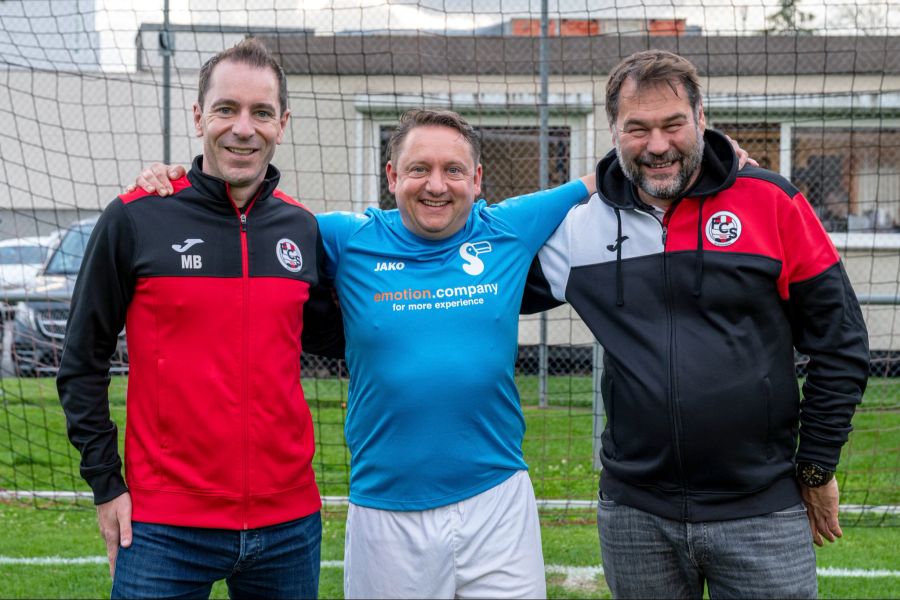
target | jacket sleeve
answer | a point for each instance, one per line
(538, 296)
(103, 290)
(323, 322)
(828, 326)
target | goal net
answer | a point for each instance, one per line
(92, 91)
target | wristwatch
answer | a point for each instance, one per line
(813, 475)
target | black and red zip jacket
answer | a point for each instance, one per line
(215, 302)
(698, 311)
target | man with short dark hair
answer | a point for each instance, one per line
(699, 281)
(219, 442)
(441, 504)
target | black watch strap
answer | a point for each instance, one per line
(813, 475)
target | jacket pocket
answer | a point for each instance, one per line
(199, 432)
(727, 437)
(767, 404)
(608, 437)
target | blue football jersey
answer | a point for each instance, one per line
(433, 415)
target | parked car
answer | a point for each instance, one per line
(21, 259)
(39, 324)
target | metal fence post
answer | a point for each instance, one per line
(544, 174)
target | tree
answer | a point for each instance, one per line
(789, 18)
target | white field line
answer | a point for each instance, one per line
(101, 560)
(333, 501)
(583, 575)
(867, 573)
(574, 575)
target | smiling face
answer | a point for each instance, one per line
(659, 140)
(240, 124)
(435, 181)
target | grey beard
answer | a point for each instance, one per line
(671, 190)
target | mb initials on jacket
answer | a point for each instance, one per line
(189, 261)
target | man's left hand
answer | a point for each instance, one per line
(742, 155)
(158, 178)
(822, 511)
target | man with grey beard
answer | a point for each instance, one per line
(699, 281)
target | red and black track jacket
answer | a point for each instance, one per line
(699, 311)
(214, 301)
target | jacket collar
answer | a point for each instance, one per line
(215, 190)
(718, 171)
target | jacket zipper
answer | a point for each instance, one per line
(245, 356)
(674, 413)
(245, 345)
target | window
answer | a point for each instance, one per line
(850, 174)
(66, 260)
(19, 255)
(761, 140)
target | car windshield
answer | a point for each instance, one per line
(22, 255)
(66, 260)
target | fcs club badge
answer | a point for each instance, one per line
(723, 228)
(288, 254)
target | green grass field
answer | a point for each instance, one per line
(35, 455)
(569, 541)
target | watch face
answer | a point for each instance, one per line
(812, 475)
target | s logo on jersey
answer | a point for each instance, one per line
(288, 254)
(723, 228)
(469, 253)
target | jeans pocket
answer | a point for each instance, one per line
(605, 503)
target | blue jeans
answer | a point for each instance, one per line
(281, 561)
(645, 556)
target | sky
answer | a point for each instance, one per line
(101, 33)
(714, 16)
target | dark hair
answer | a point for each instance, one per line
(248, 51)
(420, 117)
(652, 67)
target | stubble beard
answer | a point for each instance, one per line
(672, 188)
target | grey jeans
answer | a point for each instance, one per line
(645, 556)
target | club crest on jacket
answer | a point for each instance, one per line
(723, 228)
(288, 254)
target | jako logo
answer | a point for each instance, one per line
(390, 266)
(469, 253)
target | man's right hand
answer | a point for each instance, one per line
(114, 518)
(157, 178)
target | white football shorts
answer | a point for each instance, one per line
(487, 546)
